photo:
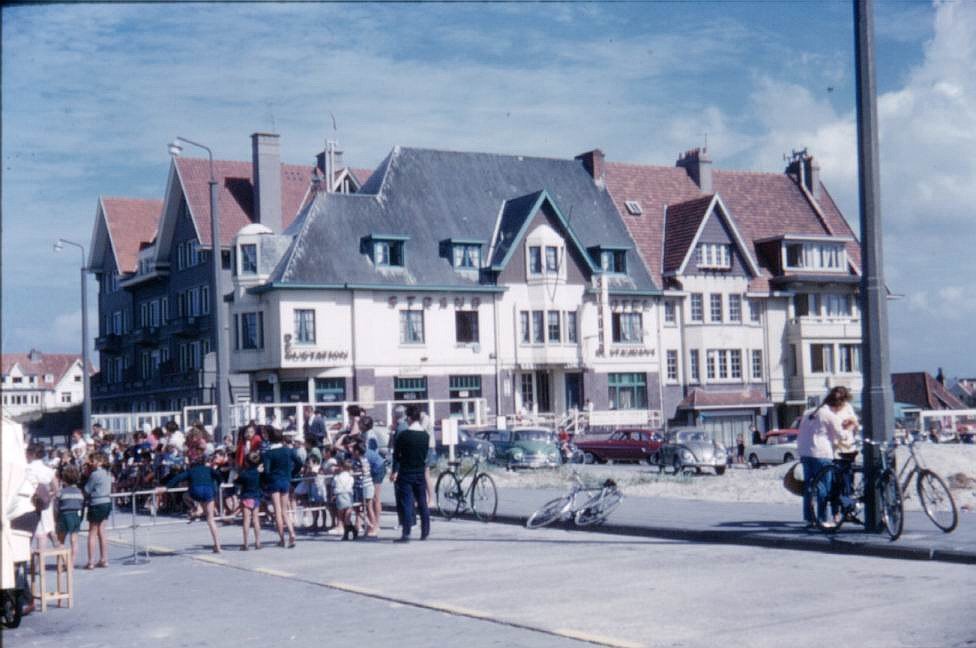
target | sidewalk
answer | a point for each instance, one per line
(774, 526)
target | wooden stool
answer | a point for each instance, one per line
(64, 567)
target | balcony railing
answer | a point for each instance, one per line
(146, 336)
(108, 343)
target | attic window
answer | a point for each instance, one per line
(714, 256)
(633, 208)
(466, 256)
(388, 253)
(614, 261)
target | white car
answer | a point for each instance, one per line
(780, 447)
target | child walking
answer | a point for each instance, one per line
(249, 483)
(280, 462)
(202, 478)
(98, 488)
(70, 502)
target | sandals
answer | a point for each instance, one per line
(101, 564)
(89, 566)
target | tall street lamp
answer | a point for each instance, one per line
(86, 401)
(221, 389)
(876, 400)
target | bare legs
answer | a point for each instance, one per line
(283, 518)
(96, 533)
(252, 518)
(209, 509)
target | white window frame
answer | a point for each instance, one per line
(714, 256)
(672, 365)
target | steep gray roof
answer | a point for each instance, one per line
(430, 196)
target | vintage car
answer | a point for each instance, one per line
(523, 447)
(621, 445)
(779, 447)
(467, 446)
(691, 448)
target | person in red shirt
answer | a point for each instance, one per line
(248, 441)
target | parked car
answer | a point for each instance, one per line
(467, 446)
(779, 447)
(691, 448)
(621, 445)
(523, 447)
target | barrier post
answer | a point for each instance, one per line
(134, 559)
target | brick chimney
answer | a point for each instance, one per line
(698, 167)
(807, 172)
(593, 163)
(266, 179)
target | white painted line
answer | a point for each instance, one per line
(210, 559)
(160, 550)
(595, 638)
(273, 572)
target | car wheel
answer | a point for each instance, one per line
(676, 464)
(754, 461)
(651, 460)
(720, 470)
(788, 458)
(589, 458)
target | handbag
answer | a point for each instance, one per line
(791, 482)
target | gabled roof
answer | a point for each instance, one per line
(40, 364)
(513, 223)
(430, 196)
(764, 205)
(680, 239)
(130, 223)
(921, 389)
(235, 196)
(682, 225)
(360, 175)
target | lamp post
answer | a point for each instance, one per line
(221, 388)
(876, 399)
(86, 400)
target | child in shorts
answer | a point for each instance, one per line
(343, 484)
(70, 502)
(98, 488)
(363, 487)
(249, 484)
(316, 491)
(202, 478)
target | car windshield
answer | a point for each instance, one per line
(691, 435)
(533, 435)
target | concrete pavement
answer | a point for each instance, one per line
(501, 585)
(755, 524)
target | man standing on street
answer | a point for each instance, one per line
(409, 459)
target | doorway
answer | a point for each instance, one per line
(574, 391)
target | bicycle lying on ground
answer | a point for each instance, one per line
(584, 505)
(453, 497)
(841, 484)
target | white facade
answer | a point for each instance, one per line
(25, 390)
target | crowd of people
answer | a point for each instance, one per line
(325, 480)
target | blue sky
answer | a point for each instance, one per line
(92, 94)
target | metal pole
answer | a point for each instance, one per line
(86, 397)
(222, 384)
(877, 400)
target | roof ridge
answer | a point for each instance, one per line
(486, 153)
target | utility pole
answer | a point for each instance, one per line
(876, 400)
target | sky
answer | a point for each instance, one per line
(91, 95)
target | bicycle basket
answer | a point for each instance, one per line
(793, 483)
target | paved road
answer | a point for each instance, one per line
(501, 585)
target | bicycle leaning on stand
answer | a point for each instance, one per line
(584, 505)
(478, 495)
(842, 485)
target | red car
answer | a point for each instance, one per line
(621, 445)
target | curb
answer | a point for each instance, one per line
(816, 542)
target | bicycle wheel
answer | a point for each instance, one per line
(599, 508)
(937, 501)
(549, 513)
(449, 495)
(892, 510)
(484, 498)
(827, 482)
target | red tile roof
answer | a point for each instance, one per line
(680, 227)
(762, 205)
(235, 197)
(921, 389)
(131, 223)
(42, 364)
(699, 398)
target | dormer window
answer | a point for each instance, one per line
(814, 256)
(466, 256)
(535, 260)
(388, 253)
(633, 208)
(249, 258)
(613, 261)
(714, 256)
